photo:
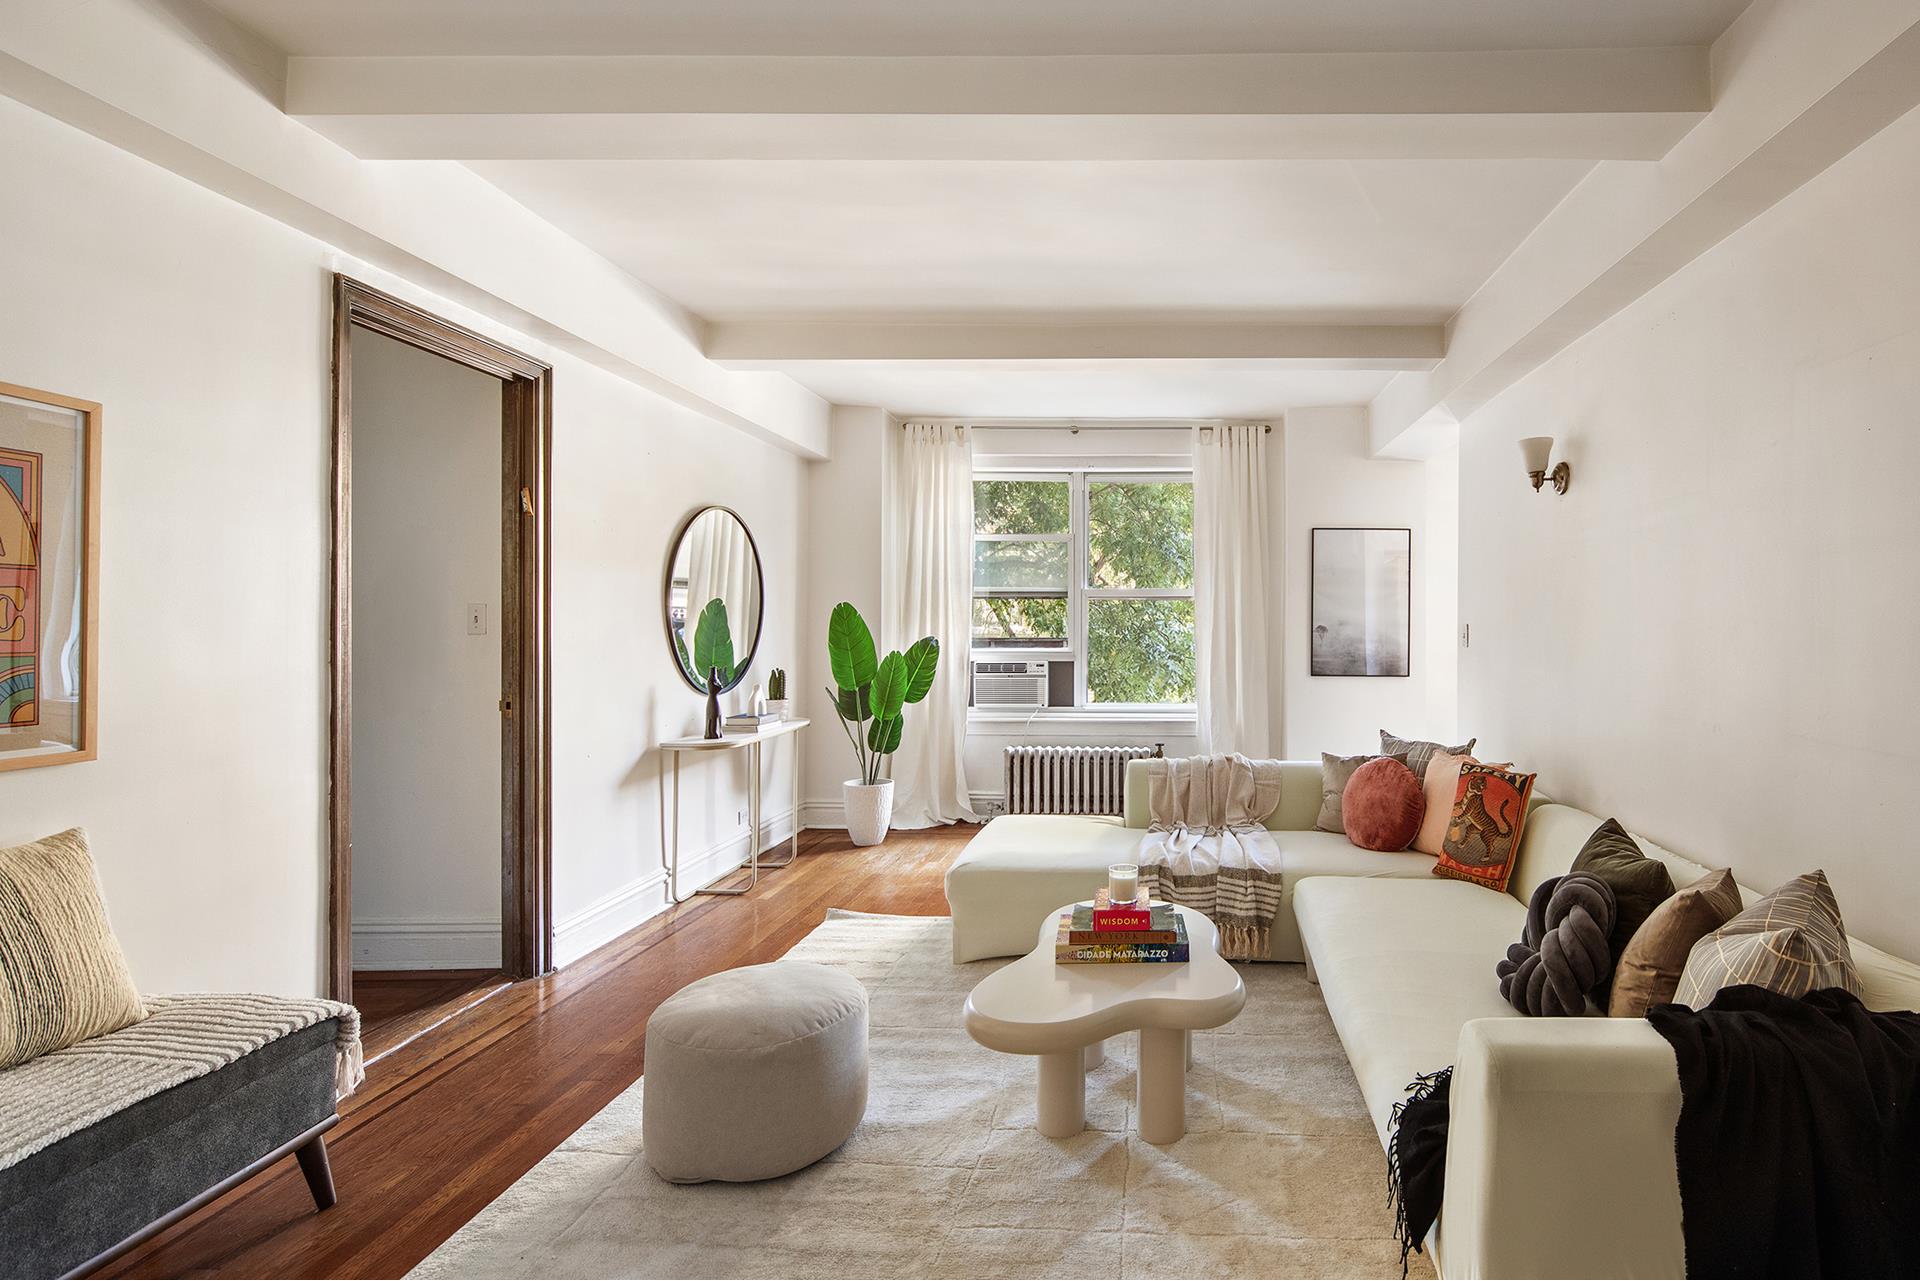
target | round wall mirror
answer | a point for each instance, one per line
(714, 598)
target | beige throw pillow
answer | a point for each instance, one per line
(1440, 784)
(1791, 942)
(1648, 971)
(63, 978)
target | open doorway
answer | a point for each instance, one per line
(438, 823)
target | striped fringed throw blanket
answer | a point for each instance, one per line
(63, 1092)
(1209, 849)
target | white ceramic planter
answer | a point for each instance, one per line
(869, 810)
(780, 707)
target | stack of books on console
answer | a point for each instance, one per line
(748, 722)
(1100, 933)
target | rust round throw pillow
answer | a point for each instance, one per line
(1383, 805)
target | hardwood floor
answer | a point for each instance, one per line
(398, 1005)
(448, 1121)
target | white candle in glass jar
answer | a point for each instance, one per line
(1123, 883)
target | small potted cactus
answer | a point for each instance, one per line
(777, 693)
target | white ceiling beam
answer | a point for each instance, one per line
(764, 344)
(1799, 86)
(1582, 103)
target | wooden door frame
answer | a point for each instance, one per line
(526, 835)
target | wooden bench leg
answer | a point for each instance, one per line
(313, 1164)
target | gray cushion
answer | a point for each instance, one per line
(92, 1190)
(754, 1073)
(1335, 773)
(1419, 752)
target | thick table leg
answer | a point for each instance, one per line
(1096, 1055)
(1189, 1049)
(1063, 1094)
(1162, 1092)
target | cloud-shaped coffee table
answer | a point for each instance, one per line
(1062, 1013)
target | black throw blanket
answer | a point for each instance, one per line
(1417, 1158)
(1799, 1139)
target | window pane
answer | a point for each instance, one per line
(1007, 621)
(1021, 507)
(1027, 566)
(1140, 534)
(1140, 651)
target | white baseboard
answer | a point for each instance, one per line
(640, 900)
(819, 813)
(422, 944)
(832, 814)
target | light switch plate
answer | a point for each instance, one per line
(476, 620)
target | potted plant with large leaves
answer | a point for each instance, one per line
(871, 698)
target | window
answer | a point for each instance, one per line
(1090, 569)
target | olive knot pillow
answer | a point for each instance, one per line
(1563, 953)
(1382, 805)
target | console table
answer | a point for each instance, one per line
(675, 748)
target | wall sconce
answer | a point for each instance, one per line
(1537, 450)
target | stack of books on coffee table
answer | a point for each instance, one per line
(1101, 933)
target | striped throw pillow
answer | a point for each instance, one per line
(1791, 942)
(63, 978)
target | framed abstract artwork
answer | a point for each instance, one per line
(49, 578)
(1362, 602)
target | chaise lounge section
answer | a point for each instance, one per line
(1023, 866)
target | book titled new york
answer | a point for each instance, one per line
(1065, 952)
(1162, 926)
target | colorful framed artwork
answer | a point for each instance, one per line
(1362, 602)
(49, 578)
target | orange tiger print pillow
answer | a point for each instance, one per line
(1483, 836)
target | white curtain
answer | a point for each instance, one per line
(1236, 670)
(926, 577)
(721, 567)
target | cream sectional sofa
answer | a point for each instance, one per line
(1560, 1154)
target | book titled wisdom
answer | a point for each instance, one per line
(1119, 948)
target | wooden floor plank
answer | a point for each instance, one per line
(453, 1117)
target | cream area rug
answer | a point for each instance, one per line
(1279, 1174)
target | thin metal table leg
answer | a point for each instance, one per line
(767, 866)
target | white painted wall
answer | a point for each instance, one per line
(426, 719)
(1710, 635)
(842, 550)
(1331, 481)
(203, 328)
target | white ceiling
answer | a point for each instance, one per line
(1389, 242)
(903, 233)
(336, 27)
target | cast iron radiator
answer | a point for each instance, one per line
(1070, 780)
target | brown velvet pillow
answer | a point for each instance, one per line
(1648, 971)
(1383, 805)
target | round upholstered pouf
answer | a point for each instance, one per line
(754, 1073)
(1383, 805)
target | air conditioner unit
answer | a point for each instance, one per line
(1009, 684)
